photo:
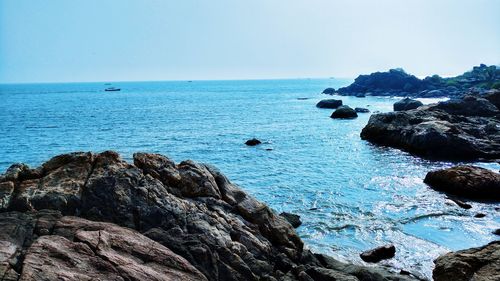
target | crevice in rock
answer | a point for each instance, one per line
(92, 168)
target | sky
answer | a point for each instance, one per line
(118, 40)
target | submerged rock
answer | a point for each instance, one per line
(379, 253)
(253, 142)
(432, 132)
(407, 104)
(361, 110)
(344, 112)
(293, 219)
(461, 203)
(83, 216)
(330, 103)
(466, 181)
(481, 263)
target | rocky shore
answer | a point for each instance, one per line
(86, 216)
(459, 129)
(396, 82)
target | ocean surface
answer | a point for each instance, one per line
(351, 195)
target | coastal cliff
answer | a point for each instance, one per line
(86, 216)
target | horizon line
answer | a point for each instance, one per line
(180, 80)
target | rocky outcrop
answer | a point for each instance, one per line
(344, 112)
(45, 245)
(379, 253)
(86, 216)
(330, 103)
(472, 264)
(468, 106)
(451, 130)
(466, 181)
(396, 82)
(407, 104)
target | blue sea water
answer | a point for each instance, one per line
(351, 195)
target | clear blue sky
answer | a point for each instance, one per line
(105, 40)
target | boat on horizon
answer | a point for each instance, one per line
(112, 89)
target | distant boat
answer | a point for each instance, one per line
(112, 89)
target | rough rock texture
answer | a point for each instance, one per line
(451, 130)
(396, 82)
(407, 104)
(472, 264)
(293, 219)
(85, 216)
(468, 106)
(379, 253)
(330, 103)
(466, 181)
(344, 112)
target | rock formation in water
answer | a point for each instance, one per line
(361, 110)
(253, 142)
(86, 216)
(481, 263)
(464, 129)
(466, 181)
(344, 112)
(396, 82)
(379, 253)
(330, 103)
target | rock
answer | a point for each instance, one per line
(496, 231)
(86, 216)
(293, 219)
(361, 110)
(479, 215)
(362, 272)
(466, 181)
(379, 253)
(56, 248)
(253, 142)
(344, 112)
(330, 103)
(329, 91)
(396, 82)
(461, 203)
(493, 96)
(433, 133)
(407, 104)
(481, 263)
(468, 106)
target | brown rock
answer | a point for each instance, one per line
(481, 263)
(466, 181)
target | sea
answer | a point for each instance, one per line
(351, 195)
